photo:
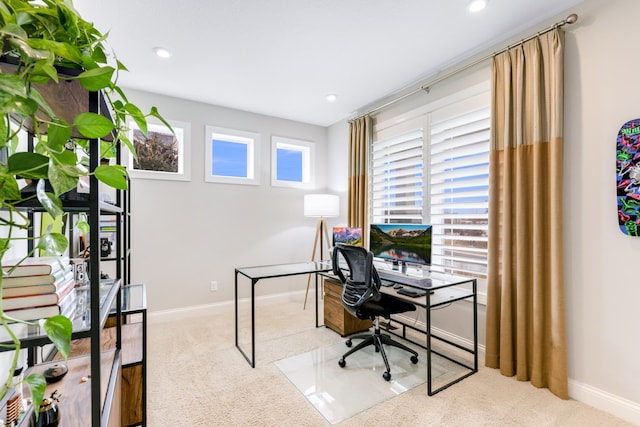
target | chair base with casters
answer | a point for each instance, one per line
(362, 298)
(377, 339)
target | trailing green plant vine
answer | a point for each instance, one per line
(41, 42)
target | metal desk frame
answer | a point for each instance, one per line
(450, 288)
(447, 289)
(255, 274)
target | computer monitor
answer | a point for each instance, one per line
(409, 243)
(347, 235)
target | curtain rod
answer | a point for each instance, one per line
(425, 87)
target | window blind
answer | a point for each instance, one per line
(459, 191)
(397, 179)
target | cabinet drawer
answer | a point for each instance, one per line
(335, 316)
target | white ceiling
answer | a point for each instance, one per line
(282, 57)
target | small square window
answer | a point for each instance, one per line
(232, 156)
(291, 162)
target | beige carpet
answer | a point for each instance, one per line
(196, 377)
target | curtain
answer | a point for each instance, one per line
(525, 303)
(358, 193)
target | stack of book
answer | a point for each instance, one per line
(38, 288)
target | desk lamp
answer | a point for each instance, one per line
(320, 206)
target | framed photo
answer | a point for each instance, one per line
(160, 153)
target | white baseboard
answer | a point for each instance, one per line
(460, 341)
(605, 401)
(192, 311)
(456, 339)
(224, 306)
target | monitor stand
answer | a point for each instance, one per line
(409, 274)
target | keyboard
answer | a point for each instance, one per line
(412, 292)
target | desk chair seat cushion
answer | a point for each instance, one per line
(385, 307)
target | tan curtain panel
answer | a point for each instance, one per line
(358, 194)
(526, 305)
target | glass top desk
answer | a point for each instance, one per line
(255, 274)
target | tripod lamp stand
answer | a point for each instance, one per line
(320, 206)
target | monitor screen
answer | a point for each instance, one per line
(347, 235)
(409, 243)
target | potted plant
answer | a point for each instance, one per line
(48, 46)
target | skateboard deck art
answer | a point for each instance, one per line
(628, 177)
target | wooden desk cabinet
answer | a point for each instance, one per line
(133, 379)
(335, 316)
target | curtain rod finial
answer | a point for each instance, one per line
(571, 19)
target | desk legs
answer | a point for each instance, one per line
(430, 337)
(428, 328)
(252, 359)
(317, 324)
(475, 326)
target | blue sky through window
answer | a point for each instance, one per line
(289, 165)
(228, 158)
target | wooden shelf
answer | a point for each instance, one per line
(132, 360)
(131, 344)
(75, 389)
(67, 98)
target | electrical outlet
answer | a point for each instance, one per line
(214, 285)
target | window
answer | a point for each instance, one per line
(434, 169)
(161, 154)
(232, 156)
(291, 162)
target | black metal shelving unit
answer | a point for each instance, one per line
(105, 296)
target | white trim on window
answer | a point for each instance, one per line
(252, 142)
(306, 150)
(157, 131)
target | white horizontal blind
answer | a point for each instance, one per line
(459, 189)
(397, 179)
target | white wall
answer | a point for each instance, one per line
(602, 286)
(186, 234)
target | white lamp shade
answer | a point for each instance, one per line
(321, 205)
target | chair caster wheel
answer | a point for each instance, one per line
(414, 359)
(342, 362)
(386, 376)
(348, 343)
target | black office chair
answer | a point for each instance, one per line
(362, 298)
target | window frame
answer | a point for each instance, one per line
(422, 119)
(251, 139)
(307, 148)
(182, 135)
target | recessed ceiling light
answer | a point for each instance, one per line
(332, 97)
(162, 52)
(477, 5)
